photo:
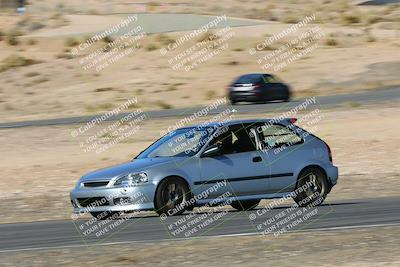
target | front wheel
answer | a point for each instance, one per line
(244, 205)
(312, 187)
(172, 197)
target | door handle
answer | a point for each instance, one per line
(257, 159)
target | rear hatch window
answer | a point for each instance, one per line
(249, 79)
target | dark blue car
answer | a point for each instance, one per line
(258, 88)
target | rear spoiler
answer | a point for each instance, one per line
(282, 120)
(290, 120)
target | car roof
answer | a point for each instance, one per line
(257, 73)
(269, 74)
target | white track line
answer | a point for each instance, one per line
(200, 237)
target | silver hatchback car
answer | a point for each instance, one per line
(240, 161)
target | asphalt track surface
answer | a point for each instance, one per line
(171, 22)
(372, 96)
(333, 215)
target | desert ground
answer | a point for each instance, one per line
(40, 78)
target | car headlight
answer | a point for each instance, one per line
(132, 179)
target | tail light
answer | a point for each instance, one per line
(329, 152)
(256, 89)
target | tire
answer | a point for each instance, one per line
(244, 205)
(286, 99)
(189, 208)
(170, 196)
(312, 187)
(105, 215)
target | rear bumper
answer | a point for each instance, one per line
(333, 174)
(244, 96)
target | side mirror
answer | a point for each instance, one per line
(212, 151)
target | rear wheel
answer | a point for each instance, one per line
(286, 98)
(312, 187)
(171, 196)
(243, 205)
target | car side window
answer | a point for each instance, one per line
(236, 139)
(270, 79)
(276, 135)
(267, 78)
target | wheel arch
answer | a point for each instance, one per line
(313, 166)
(168, 177)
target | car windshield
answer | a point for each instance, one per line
(184, 142)
(249, 78)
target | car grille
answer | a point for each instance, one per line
(93, 202)
(95, 184)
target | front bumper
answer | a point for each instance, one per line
(135, 198)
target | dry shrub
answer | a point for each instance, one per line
(331, 42)
(15, 61)
(165, 39)
(208, 36)
(71, 41)
(348, 19)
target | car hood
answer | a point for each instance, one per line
(136, 165)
